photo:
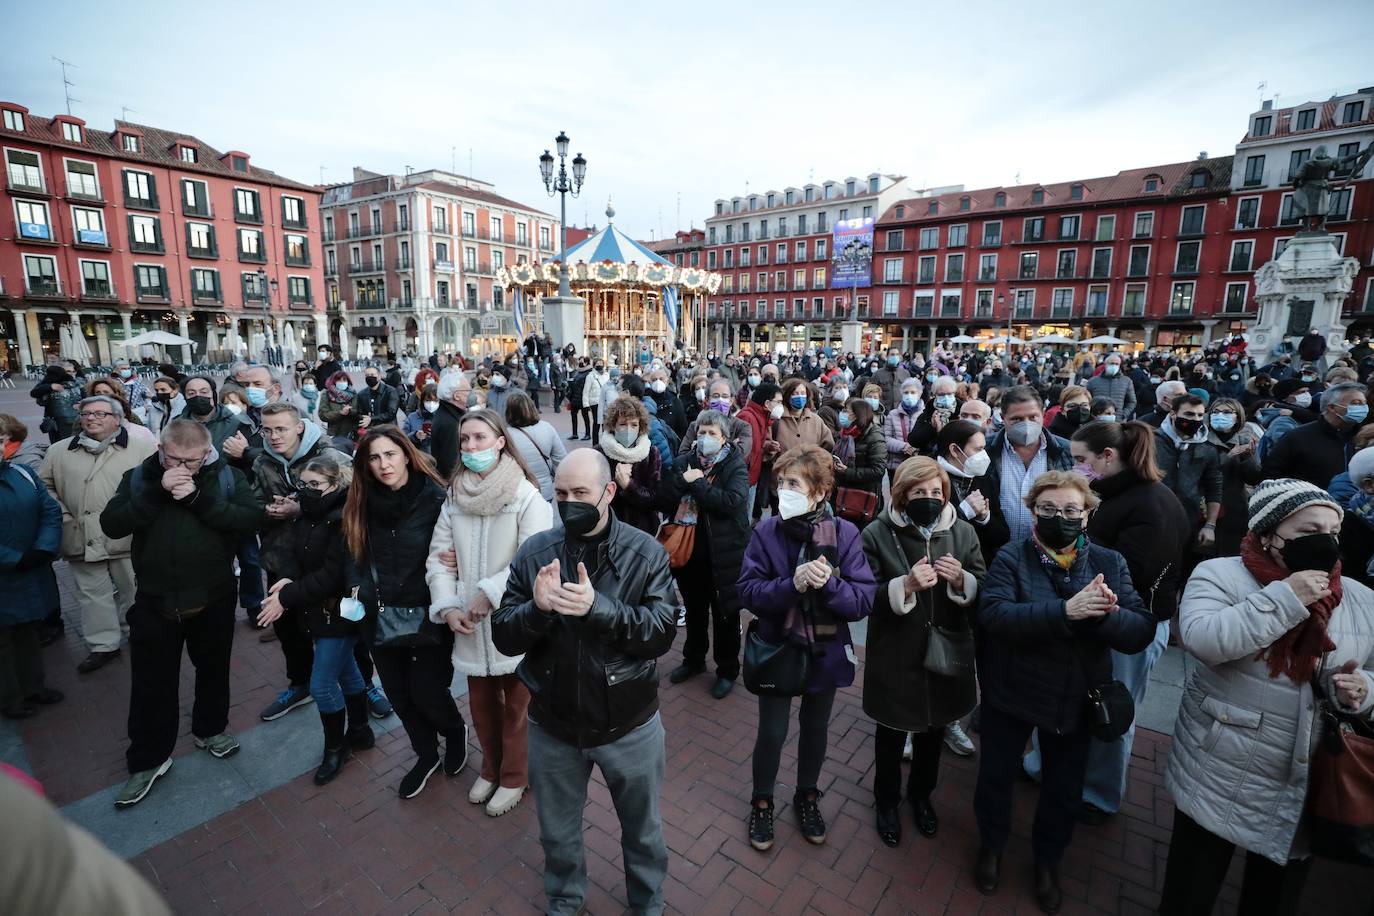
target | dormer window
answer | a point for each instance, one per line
(129, 143)
(239, 163)
(1076, 192)
(1038, 196)
(965, 203)
(14, 120)
(188, 154)
(1307, 119)
(1263, 125)
(71, 132)
(1151, 184)
(933, 208)
(850, 187)
(1000, 199)
(1198, 179)
(900, 212)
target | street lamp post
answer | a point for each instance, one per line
(1002, 300)
(562, 185)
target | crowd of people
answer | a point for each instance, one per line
(1024, 534)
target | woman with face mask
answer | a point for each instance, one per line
(1268, 629)
(860, 454)
(1237, 441)
(1053, 606)
(708, 488)
(538, 443)
(636, 465)
(493, 507)
(898, 423)
(1075, 410)
(806, 578)
(962, 454)
(928, 565)
(832, 402)
(419, 423)
(800, 423)
(338, 407)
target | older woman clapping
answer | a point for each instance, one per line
(1265, 626)
(1053, 606)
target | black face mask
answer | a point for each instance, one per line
(1311, 551)
(924, 512)
(579, 518)
(1187, 428)
(1080, 415)
(200, 406)
(163, 396)
(1058, 533)
(373, 382)
(310, 500)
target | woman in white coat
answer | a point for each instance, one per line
(1263, 626)
(493, 507)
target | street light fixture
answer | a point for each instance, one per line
(562, 185)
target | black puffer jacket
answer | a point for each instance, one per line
(1146, 524)
(443, 437)
(722, 514)
(592, 679)
(315, 566)
(380, 403)
(866, 467)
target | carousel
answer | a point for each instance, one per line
(635, 299)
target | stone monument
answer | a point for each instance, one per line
(1304, 289)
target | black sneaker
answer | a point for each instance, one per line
(761, 825)
(455, 753)
(292, 697)
(413, 783)
(684, 672)
(809, 815)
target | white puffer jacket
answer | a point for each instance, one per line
(1239, 764)
(485, 545)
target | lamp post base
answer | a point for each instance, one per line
(565, 321)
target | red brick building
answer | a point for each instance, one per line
(142, 228)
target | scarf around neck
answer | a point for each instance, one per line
(810, 621)
(474, 494)
(1297, 652)
(619, 453)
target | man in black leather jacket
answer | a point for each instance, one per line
(590, 607)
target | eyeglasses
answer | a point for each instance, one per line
(312, 485)
(95, 414)
(188, 463)
(1072, 513)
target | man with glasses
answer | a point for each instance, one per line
(185, 509)
(82, 473)
(288, 445)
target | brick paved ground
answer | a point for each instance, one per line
(353, 847)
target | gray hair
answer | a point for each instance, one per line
(945, 384)
(119, 362)
(449, 384)
(1333, 394)
(722, 380)
(236, 368)
(1170, 389)
(116, 408)
(273, 376)
(712, 418)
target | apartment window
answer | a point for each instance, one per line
(950, 304)
(744, 257)
(954, 268)
(188, 154)
(1102, 263)
(1025, 303)
(40, 275)
(817, 307)
(930, 238)
(744, 283)
(1247, 213)
(469, 255)
(1038, 196)
(965, 203)
(89, 226)
(1352, 112)
(403, 217)
(1297, 159)
(1151, 185)
(24, 170)
(1340, 204)
(378, 262)
(992, 234)
(1286, 215)
(355, 258)
(200, 240)
(81, 180)
(1106, 228)
(14, 120)
(800, 251)
(809, 194)
(297, 251)
(331, 263)
(730, 233)
(987, 267)
(818, 278)
(1144, 225)
(545, 235)
(1139, 264)
(1306, 120)
(729, 257)
(470, 292)
(982, 307)
(298, 289)
(1186, 259)
(820, 249)
(522, 234)
(145, 233)
(1198, 178)
(925, 305)
(441, 292)
(1076, 192)
(130, 143)
(799, 279)
(1030, 262)
(204, 283)
(1068, 227)
(1061, 303)
(958, 236)
(469, 224)
(1097, 302)
(873, 185)
(1236, 294)
(403, 255)
(844, 214)
(867, 212)
(891, 298)
(892, 270)
(250, 247)
(710, 260)
(1254, 170)
(895, 240)
(781, 253)
(195, 198)
(1181, 299)
(95, 280)
(439, 221)
(1066, 264)
(1033, 229)
(150, 281)
(32, 217)
(801, 224)
(246, 208)
(925, 270)
(1133, 302)
(498, 229)
(695, 260)
(1191, 221)
(762, 256)
(999, 199)
(1263, 126)
(821, 224)
(293, 212)
(1343, 151)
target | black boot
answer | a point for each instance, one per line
(335, 747)
(360, 736)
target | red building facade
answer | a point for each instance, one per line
(140, 228)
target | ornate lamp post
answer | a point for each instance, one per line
(562, 185)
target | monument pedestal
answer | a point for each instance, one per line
(1302, 290)
(852, 337)
(565, 321)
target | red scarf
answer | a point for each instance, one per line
(1296, 652)
(11, 449)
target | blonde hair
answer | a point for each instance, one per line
(1061, 480)
(914, 471)
(1073, 391)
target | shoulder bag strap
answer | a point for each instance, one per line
(541, 452)
(376, 579)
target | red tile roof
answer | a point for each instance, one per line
(1285, 118)
(478, 194)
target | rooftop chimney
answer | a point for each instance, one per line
(1267, 105)
(1202, 155)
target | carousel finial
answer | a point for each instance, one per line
(610, 210)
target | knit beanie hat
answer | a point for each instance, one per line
(1275, 500)
(1362, 465)
(764, 393)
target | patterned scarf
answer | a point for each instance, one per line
(810, 621)
(1297, 652)
(687, 512)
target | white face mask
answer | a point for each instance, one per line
(233, 409)
(431, 406)
(791, 504)
(776, 411)
(976, 465)
(1303, 400)
(659, 386)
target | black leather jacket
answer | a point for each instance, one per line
(592, 679)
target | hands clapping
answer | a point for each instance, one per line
(1095, 600)
(923, 576)
(812, 575)
(554, 596)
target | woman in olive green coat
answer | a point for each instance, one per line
(928, 566)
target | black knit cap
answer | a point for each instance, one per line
(765, 392)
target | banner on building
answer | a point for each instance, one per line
(851, 258)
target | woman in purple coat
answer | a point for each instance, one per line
(805, 577)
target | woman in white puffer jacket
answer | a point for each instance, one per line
(493, 507)
(1260, 627)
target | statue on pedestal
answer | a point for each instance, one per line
(1312, 185)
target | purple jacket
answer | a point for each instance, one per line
(765, 587)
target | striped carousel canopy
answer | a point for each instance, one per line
(610, 244)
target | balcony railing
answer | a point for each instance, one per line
(93, 197)
(331, 270)
(42, 289)
(987, 275)
(403, 263)
(366, 266)
(27, 184)
(443, 264)
(100, 290)
(152, 293)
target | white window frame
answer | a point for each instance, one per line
(1192, 303)
(95, 174)
(1226, 295)
(1092, 262)
(892, 303)
(1106, 290)
(921, 238)
(1259, 207)
(981, 258)
(304, 279)
(256, 198)
(81, 273)
(920, 294)
(42, 176)
(130, 143)
(1183, 214)
(1059, 220)
(189, 154)
(135, 220)
(978, 296)
(1149, 255)
(47, 218)
(949, 236)
(939, 309)
(24, 266)
(166, 280)
(1097, 229)
(1231, 256)
(1016, 294)
(1135, 221)
(1054, 297)
(100, 218)
(889, 275)
(1178, 252)
(982, 239)
(1059, 253)
(963, 266)
(934, 267)
(1126, 290)
(259, 240)
(300, 208)
(14, 120)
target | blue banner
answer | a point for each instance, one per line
(91, 236)
(851, 253)
(35, 231)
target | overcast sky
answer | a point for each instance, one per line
(695, 100)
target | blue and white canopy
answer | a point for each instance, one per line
(610, 244)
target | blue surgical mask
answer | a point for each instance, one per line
(256, 396)
(911, 401)
(932, 376)
(338, 386)
(944, 401)
(892, 360)
(479, 461)
(873, 402)
(1356, 413)
(1222, 422)
(798, 401)
(844, 419)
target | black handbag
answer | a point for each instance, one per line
(775, 669)
(401, 627)
(1111, 708)
(949, 653)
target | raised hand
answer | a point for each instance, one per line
(1091, 601)
(1310, 585)
(921, 577)
(546, 585)
(574, 599)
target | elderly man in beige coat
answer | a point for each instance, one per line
(82, 473)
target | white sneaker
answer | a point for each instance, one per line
(481, 790)
(957, 741)
(906, 748)
(503, 800)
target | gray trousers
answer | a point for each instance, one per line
(633, 770)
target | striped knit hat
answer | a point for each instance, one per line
(1275, 500)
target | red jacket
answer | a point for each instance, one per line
(759, 421)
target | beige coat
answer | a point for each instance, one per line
(485, 545)
(83, 483)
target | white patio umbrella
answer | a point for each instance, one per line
(1004, 339)
(64, 345)
(81, 351)
(343, 340)
(271, 335)
(256, 342)
(960, 339)
(289, 348)
(1104, 340)
(158, 339)
(232, 342)
(364, 350)
(1053, 339)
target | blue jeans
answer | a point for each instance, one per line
(1104, 783)
(335, 672)
(251, 591)
(633, 769)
